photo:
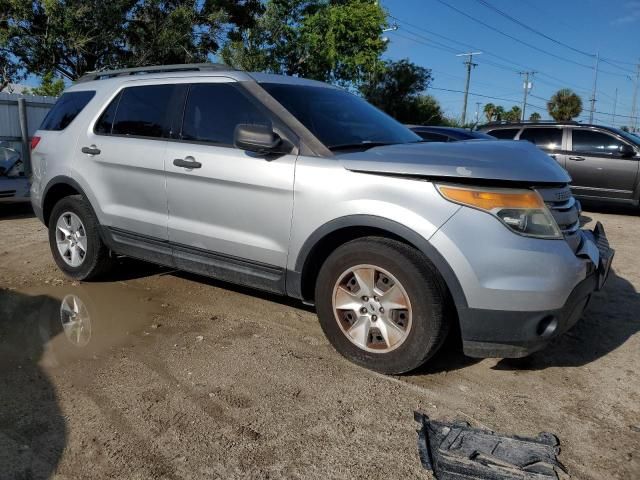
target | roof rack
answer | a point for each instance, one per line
(186, 67)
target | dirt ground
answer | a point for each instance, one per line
(177, 376)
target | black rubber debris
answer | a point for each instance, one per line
(455, 451)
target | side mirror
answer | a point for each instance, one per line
(626, 151)
(256, 138)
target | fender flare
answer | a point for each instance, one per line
(61, 180)
(294, 278)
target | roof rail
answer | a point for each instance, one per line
(186, 67)
(532, 122)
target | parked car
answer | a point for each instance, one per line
(14, 185)
(604, 162)
(448, 134)
(300, 188)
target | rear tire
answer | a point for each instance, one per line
(75, 240)
(381, 304)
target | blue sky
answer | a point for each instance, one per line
(429, 29)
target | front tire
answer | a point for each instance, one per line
(381, 304)
(75, 241)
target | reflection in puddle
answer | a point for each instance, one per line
(56, 325)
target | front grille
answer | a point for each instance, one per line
(566, 211)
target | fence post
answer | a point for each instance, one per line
(24, 133)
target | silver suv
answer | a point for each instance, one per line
(300, 188)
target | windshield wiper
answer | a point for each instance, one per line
(356, 146)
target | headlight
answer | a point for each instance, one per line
(522, 211)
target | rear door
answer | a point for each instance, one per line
(596, 166)
(121, 157)
(549, 139)
(230, 214)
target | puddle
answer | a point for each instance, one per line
(52, 326)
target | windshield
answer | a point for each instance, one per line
(8, 159)
(339, 119)
(629, 136)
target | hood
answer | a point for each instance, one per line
(505, 160)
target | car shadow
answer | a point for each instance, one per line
(612, 317)
(16, 211)
(610, 208)
(33, 431)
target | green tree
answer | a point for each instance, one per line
(564, 105)
(398, 88)
(535, 117)
(499, 113)
(489, 111)
(49, 86)
(333, 41)
(72, 37)
(513, 115)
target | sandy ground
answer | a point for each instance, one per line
(177, 376)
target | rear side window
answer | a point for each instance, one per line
(141, 111)
(504, 133)
(213, 110)
(548, 138)
(68, 106)
(105, 122)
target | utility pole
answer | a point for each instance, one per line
(478, 112)
(527, 86)
(634, 104)
(615, 104)
(595, 84)
(469, 63)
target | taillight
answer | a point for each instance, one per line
(34, 142)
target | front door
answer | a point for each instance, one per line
(596, 167)
(229, 209)
(549, 139)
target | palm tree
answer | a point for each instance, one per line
(499, 112)
(535, 117)
(564, 105)
(489, 111)
(513, 115)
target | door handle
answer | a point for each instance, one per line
(92, 150)
(187, 162)
(577, 159)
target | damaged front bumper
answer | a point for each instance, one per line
(513, 334)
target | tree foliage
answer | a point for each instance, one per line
(564, 105)
(49, 86)
(489, 111)
(329, 40)
(513, 115)
(398, 89)
(72, 37)
(535, 117)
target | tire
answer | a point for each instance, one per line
(96, 260)
(421, 331)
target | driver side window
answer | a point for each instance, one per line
(591, 142)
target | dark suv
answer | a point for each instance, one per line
(604, 162)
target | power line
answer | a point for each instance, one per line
(486, 96)
(564, 59)
(531, 29)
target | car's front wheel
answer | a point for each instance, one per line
(381, 304)
(75, 240)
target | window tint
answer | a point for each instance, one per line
(504, 133)
(339, 119)
(214, 109)
(548, 138)
(433, 137)
(68, 106)
(143, 111)
(105, 122)
(596, 143)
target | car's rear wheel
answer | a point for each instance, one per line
(75, 241)
(381, 304)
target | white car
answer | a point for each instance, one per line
(14, 185)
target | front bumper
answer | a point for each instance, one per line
(513, 334)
